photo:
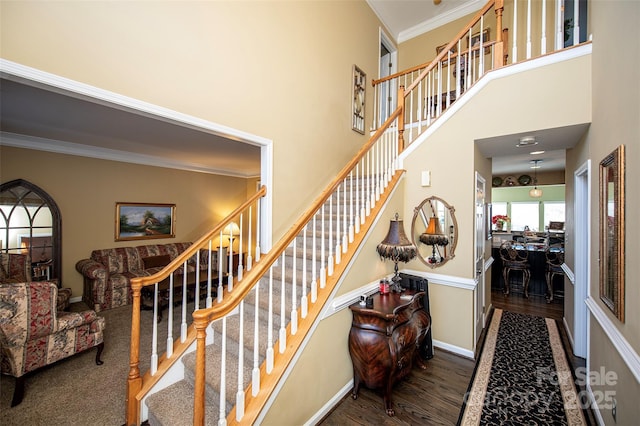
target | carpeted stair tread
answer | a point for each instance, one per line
(173, 406)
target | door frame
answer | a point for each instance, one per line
(479, 255)
(385, 40)
(582, 259)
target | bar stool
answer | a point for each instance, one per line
(555, 259)
(515, 259)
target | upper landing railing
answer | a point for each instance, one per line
(503, 32)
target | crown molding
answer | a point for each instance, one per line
(440, 20)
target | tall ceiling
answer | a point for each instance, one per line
(61, 121)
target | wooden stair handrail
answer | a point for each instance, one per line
(447, 48)
(419, 67)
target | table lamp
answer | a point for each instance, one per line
(397, 248)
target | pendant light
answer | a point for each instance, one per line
(535, 192)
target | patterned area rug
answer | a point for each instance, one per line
(523, 376)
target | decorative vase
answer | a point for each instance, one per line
(499, 225)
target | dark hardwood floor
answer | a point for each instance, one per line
(434, 396)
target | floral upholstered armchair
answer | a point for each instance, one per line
(16, 268)
(33, 333)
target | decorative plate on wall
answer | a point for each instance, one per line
(524, 180)
(510, 181)
(497, 181)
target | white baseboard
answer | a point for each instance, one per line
(453, 349)
(75, 299)
(326, 408)
(567, 329)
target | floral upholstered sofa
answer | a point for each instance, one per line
(108, 272)
(33, 333)
(16, 268)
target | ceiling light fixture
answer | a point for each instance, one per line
(536, 152)
(527, 141)
(535, 192)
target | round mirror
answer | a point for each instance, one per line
(434, 231)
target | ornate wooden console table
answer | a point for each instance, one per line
(384, 341)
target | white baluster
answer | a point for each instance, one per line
(323, 271)
(154, 333)
(330, 258)
(345, 218)
(294, 297)
(196, 298)
(481, 51)
(240, 261)
(378, 170)
(283, 316)
(240, 392)
(338, 249)
(270, 353)
(249, 258)
(170, 319)
(183, 324)
(255, 373)
(576, 22)
(559, 24)
(209, 300)
(258, 229)
(351, 217)
(514, 34)
(314, 281)
(368, 192)
(230, 265)
(543, 41)
(220, 270)
(303, 301)
(362, 184)
(528, 29)
(223, 375)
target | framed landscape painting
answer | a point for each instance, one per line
(141, 221)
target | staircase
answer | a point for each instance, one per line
(173, 405)
(249, 332)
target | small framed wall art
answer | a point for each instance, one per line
(141, 221)
(359, 82)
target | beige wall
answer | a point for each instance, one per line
(87, 189)
(280, 70)
(615, 122)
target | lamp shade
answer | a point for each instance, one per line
(433, 235)
(396, 246)
(535, 192)
(231, 229)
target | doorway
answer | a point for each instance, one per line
(581, 255)
(386, 92)
(480, 232)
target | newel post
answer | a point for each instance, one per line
(134, 381)
(199, 386)
(499, 58)
(401, 119)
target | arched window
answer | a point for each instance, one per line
(30, 224)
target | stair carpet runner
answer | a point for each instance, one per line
(174, 404)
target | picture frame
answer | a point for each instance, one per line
(612, 223)
(142, 221)
(453, 50)
(358, 99)
(475, 40)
